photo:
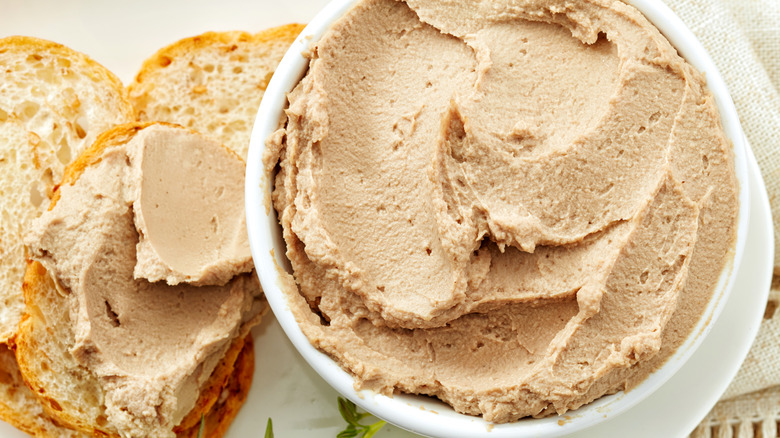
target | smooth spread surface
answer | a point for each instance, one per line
(189, 210)
(514, 207)
(150, 345)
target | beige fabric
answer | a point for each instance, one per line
(743, 38)
(761, 368)
(752, 415)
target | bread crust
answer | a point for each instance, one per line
(232, 396)
(164, 56)
(219, 380)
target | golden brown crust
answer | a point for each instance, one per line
(236, 390)
(211, 391)
(164, 56)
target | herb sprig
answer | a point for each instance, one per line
(354, 429)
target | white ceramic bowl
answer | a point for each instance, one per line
(424, 415)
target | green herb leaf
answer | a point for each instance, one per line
(354, 429)
(374, 428)
(349, 432)
(202, 426)
(348, 411)
(269, 429)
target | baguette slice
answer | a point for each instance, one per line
(212, 83)
(54, 102)
(69, 393)
(62, 393)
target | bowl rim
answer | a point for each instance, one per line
(424, 415)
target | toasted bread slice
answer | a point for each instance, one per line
(42, 416)
(69, 393)
(54, 102)
(212, 83)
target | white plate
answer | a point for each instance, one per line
(121, 35)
